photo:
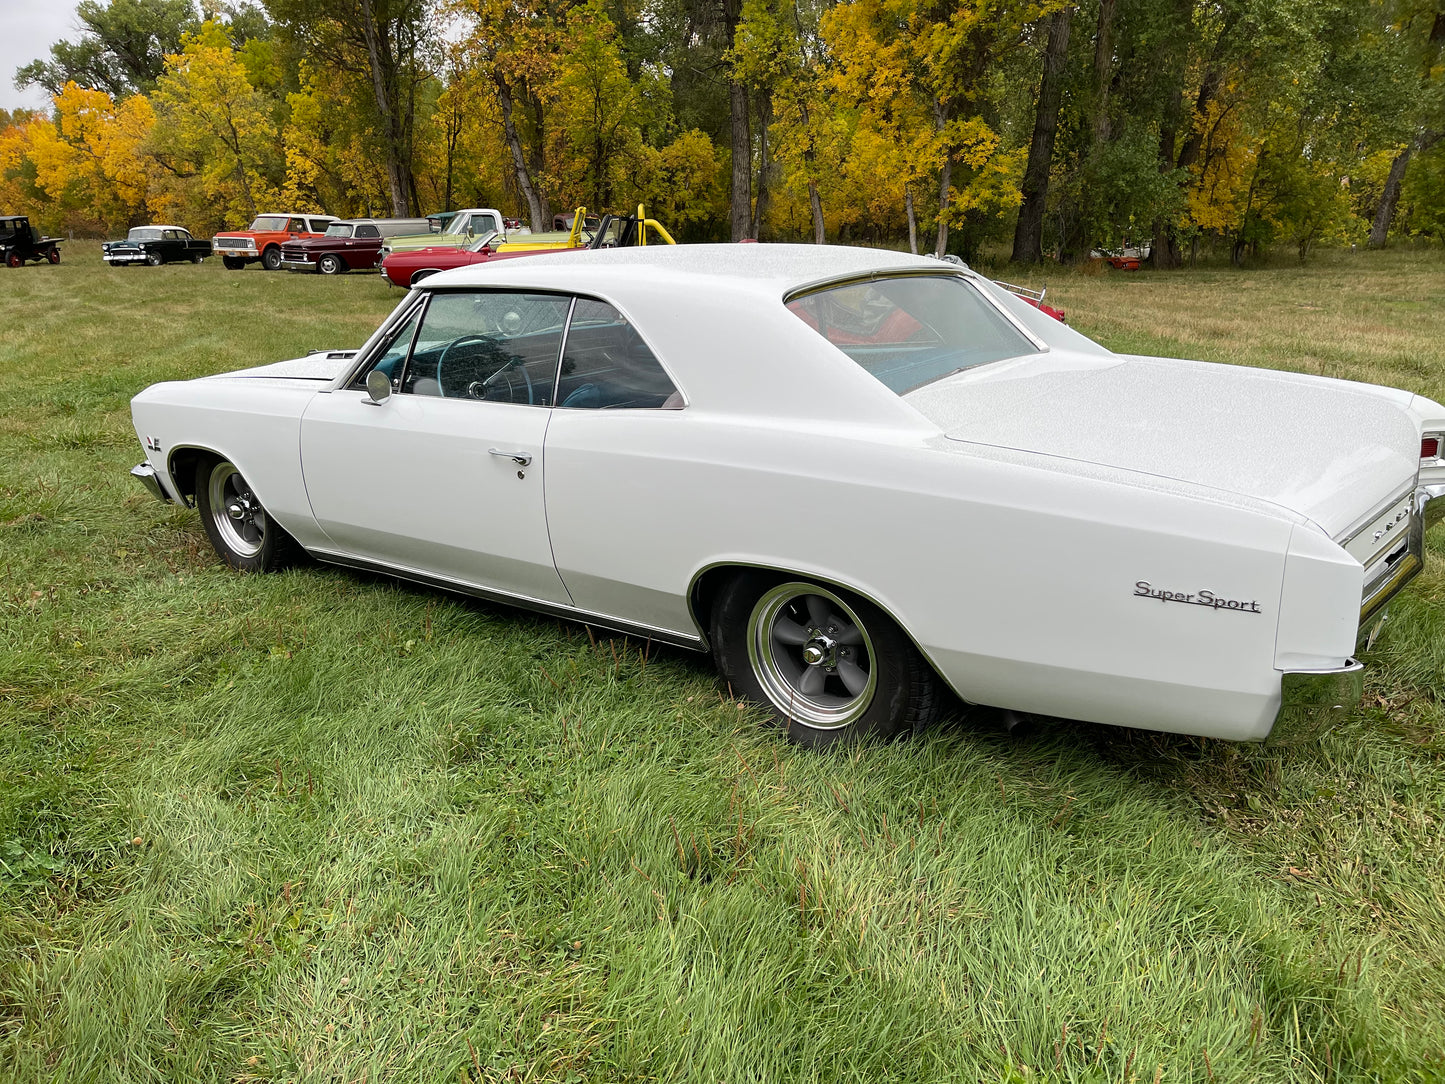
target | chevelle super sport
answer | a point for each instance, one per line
(858, 478)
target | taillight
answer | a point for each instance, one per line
(1430, 447)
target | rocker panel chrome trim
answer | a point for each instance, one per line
(487, 594)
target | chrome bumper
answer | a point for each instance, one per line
(147, 476)
(1310, 698)
(298, 265)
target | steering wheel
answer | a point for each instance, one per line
(442, 360)
(480, 389)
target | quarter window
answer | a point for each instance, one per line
(606, 363)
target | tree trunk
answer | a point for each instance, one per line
(1029, 231)
(1390, 198)
(1103, 70)
(912, 220)
(382, 63)
(764, 100)
(816, 203)
(519, 161)
(945, 178)
(810, 157)
(742, 178)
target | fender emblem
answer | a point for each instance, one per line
(1143, 589)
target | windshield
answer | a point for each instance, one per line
(339, 229)
(144, 233)
(269, 223)
(461, 225)
(912, 330)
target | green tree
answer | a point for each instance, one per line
(122, 48)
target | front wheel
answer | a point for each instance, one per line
(153, 259)
(832, 667)
(243, 534)
(13, 260)
(233, 263)
(330, 265)
(271, 259)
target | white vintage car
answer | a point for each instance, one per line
(856, 477)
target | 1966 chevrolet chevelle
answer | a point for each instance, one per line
(855, 476)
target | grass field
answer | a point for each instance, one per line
(323, 827)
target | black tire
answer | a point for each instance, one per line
(197, 257)
(331, 265)
(53, 255)
(13, 260)
(271, 259)
(154, 259)
(233, 263)
(419, 275)
(244, 536)
(866, 678)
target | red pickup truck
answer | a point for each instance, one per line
(262, 240)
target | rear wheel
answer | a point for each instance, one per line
(53, 255)
(271, 259)
(330, 265)
(197, 257)
(832, 666)
(233, 263)
(243, 534)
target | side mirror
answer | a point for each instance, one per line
(378, 386)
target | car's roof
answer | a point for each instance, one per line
(158, 226)
(294, 214)
(749, 268)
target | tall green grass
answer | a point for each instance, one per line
(320, 826)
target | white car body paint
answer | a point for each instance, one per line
(1136, 541)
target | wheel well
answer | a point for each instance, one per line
(183, 464)
(705, 588)
(425, 272)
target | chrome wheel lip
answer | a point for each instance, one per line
(771, 664)
(227, 491)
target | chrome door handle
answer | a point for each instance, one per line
(519, 458)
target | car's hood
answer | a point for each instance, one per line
(323, 366)
(1325, 449)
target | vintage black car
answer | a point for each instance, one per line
(20, 241)
(155, 245)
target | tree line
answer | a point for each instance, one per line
(949, 125)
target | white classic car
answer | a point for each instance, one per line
(855, 476)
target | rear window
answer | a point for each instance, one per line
(909, 331)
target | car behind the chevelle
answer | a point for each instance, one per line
(855, 476)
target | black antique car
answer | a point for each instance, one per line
(155, 245)
(20, 241)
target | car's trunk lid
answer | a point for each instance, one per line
(1326, 449)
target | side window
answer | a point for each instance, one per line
(393, 357)
(296, 225)
(367, 231)
(492, 345)
(606, 364)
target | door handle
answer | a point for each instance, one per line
(519, 458)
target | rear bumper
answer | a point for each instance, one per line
(1309, 698)
(146, 475)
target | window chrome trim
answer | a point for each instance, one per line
(382, 334)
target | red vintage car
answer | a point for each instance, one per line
(406, 268)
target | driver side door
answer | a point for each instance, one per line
(445, 477)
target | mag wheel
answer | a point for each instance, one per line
(153, 259)
(330, 265)
(238, 527)
(831, 666)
